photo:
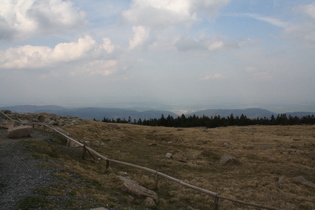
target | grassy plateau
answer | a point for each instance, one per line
(267, 160)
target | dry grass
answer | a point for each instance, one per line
(264, 154)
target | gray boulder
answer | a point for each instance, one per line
(133, 187)
(302, 180)
(227, 158)
(7, 124)
(20, 131)
(169, 155)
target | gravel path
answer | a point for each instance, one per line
(20, 173)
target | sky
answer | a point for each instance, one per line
(158, 54)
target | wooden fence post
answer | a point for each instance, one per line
(156, 181)
(83, 152)
(216, 202)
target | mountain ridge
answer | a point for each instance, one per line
(100, 113)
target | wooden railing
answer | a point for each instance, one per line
(157, 174)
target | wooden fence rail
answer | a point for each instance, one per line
(156, 173)
(159, 174)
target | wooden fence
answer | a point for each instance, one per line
(157, 174)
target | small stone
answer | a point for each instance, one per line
(281, 178)
(149, 202)
(168, 155)
(227, 158)
(225, 144)
(266, 147)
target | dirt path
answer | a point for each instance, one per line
(20, 173)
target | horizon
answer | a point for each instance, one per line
(178, 55)
(175, 111)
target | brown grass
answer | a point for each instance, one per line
(264, 153)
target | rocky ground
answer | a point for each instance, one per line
(20, 172)
(269, 165)
(23, 175)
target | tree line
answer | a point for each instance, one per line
(217, 121)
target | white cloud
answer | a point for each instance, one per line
(213, 76)
(250, 69)
(308, 10)
(155, 19)
(108, 46)
(141, 34)
(202, 44)
(98, 67)
(271, 20)
(20, 19)
(65, 52)
(164, 13)
(304, 31)
(216, 45)
(258, 74)
(41, 56)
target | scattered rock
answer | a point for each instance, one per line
(149, 202)
(7, 124)
(6, 111)
(72, 143)
(41, 118)
(168, 155)
(302, 180)
(227, 158)
(225, 144)
(51, 119)
(133, 187)
(19, 131)
(265, 147)
(281, 179)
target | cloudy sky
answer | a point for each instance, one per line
(160, 54)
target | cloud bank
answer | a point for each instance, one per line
(20, 19)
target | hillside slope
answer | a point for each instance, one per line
(268, 160)
(272, 165)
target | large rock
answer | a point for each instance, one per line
(302, 180)
(227, 158)
(133, 187)
(19, 131)
(7, 124)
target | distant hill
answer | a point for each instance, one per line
(250, 113)
(91, 112)
(114, 113)
(300, 114)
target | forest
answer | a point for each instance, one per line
(217, 121)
